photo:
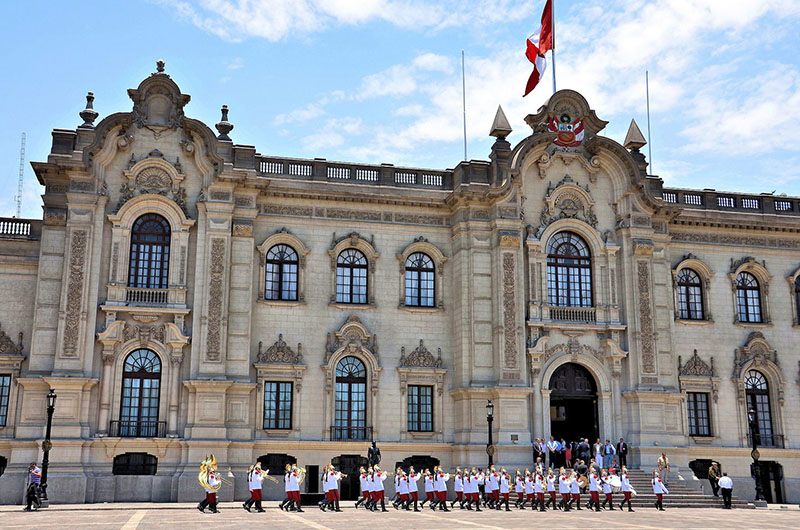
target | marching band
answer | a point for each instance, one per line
(497, 486)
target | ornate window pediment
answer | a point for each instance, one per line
(11, 355)
(420, 357)
(355, 241)
(283, 237)
(279, 353)
(574, 349)
(756, 352)
(354, 337)
(567, 200)
(422, 245)
(695, 366)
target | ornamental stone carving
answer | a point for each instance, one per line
(646, 338)
(747, 241)
(214, 325)
(566, 200)
(757, 350)
(574, 349)
(242, 228)
(420, 357)
(509, 310)
(143, 334)
(354, 336)
(280, 353)
(7, 346)
(72, 311)
(696, 366)
(153, 178)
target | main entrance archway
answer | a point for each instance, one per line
(573, 403)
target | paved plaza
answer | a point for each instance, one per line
(185, 517)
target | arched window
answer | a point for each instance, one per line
(149, 263)
(757, 391)
(420, 281)
(141, 381)
(281, 273)
(351, 277)
(350, 414)
(690, 295)
(748, 298)
(569, 271)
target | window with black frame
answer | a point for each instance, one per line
(277, 405)
(757, 393)
(141, 385)
(149, 258)
(351, 277)
(690, 295)
(569, 271)
(350, 409)
(420, 408)
(281, 273)
(420, 285)
(5, 392)
(135, 464)
(698, 414)
(748, 298)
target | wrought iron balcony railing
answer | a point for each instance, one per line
(351, 433)
(767, 440)
(138, 429)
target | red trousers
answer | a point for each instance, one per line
(552, 494)
(414, 496)
(332, 495)
(255, 494)
(496, 494)
(565, 498)
(540, 496)
(519, 496)
(609, 497)
(627, 495)
(529, 497)
(377, 495)
(293, 496)
(595, 495)
(459, 495)
(211, 497)
(576, 497)
(660, 496)
(505, 496)
(365, 494)
(428, 495)
(442, 496)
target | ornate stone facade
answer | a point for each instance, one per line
(504, 313)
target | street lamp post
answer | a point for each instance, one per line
(755, 468)
(489, 419)
(47, 445)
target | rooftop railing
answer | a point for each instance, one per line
(14, 228)
(765, 203)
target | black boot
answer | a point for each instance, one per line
(422, 503)
(323, 504)
(611, 505)
(597, 506)
(358, 502)
(299, 508)
(213, 507)
(383, 506)
(202, 505)
(337, 506)
(282, 505)
(579, 506)
(507, 507)
(416, 509)
(246, 504)
(478, 507)
(259, 508)
(433, 504)
(661, 506)
(629, 506)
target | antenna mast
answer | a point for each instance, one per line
(18, 198)
(649, 138)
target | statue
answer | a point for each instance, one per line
(374, 455)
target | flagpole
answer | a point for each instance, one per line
(553, 49)
(464, 102)
(649, 139)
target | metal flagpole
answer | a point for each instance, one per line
(464, 102)
(649, 140)
(553, 49)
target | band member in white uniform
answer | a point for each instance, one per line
(440, 487)
(564, 489)
(363, 479)
(458, 487)
(627, 489)
(660, 489)
(607, 490)
(413, 487)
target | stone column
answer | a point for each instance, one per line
(605, 405)
(545, 411)
(108, 357)
(616, 403)
(174, 391)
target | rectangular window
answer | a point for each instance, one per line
(420, 408)
(697, 404)
(5, 390)
(277, 405)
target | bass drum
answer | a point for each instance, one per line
(616, 483)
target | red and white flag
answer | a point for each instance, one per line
(539, 43)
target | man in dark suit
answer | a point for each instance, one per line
(622, 452)
(584, 451)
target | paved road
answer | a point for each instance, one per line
(184, 516)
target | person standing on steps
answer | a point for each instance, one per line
(622, 453)
(726, 487)
(713, 478)
(608, 455)
(664, 468)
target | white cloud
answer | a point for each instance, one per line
(235, 64)
(236, 20)
(332, 132)
(309, 112)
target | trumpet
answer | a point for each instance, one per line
(228, 482)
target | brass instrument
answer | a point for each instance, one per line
(583, 481)
(208, 466)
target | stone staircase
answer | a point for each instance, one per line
(681, 495)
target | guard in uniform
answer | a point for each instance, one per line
(627, 489)
(564, 489)
(378, 476)
(607, 490)
(293, 478)
(529, 495)
(660, 489)
(210, 481)
(440, 487)
(413, 487)
(255, 479)
(363, 480)
(331, 483)
(505, 489)
(594, 491)
(458, 486)
(538, 488)
(428, 488)
(551, 489)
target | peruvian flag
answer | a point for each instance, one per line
(539, 43)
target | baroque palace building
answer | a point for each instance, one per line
(184, 295)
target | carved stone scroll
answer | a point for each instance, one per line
(215, 293)
(72, 311)
(645, 318)
(509, 310)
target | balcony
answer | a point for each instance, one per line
(24, 229)
(582, 315)
(138, 429)
(142, 296)
(351, 433)
(767, 440)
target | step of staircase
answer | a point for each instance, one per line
(681, 495)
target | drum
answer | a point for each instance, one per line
(615, 482)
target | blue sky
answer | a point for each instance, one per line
(380, 81)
